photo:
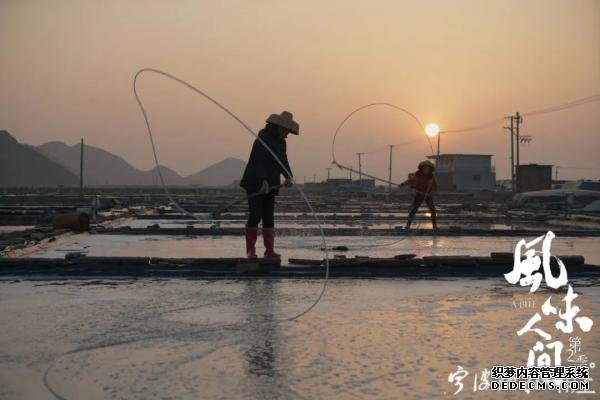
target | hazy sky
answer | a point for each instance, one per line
(66, 70)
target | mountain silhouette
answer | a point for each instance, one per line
(222, 173)
(102, 167)
(23, 166)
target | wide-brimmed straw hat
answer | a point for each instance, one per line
(426, 163)
(285, 120)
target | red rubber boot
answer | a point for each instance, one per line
(251, 234)
(269, 240)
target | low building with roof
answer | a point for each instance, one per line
(464, 172)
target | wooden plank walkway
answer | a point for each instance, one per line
(398, 231)
(236, 268)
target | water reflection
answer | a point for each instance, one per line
(368, 339)
(260, 354)
(308, 247)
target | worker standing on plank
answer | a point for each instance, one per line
(425, 184)
(262, 175)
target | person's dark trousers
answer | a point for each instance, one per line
(418, 200)
(262, 208)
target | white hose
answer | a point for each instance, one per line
(243, 124)
(341, 166)
(413, 116)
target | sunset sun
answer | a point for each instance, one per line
(432, 129)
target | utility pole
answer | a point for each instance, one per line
(390, 171)
(512, 155)
(328, 172)
(359, 167)
(437, 157)
(556, 167)
(81, 171)
(315, 178)
(350, 172)
(518, 121)
(511, 130)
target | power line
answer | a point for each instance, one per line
(547, 110)
(494, 122)
(564, 106)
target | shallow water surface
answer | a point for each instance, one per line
(305, 246)
(186, 339)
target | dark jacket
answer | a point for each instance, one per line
(262, 165)
(425, 184)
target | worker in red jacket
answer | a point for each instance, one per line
(424, 183)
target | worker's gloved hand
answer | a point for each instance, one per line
(288, 182)
(264, 188)
(402, 185)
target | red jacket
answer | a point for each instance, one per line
(426, 184)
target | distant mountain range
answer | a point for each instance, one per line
(55, 163)
(21, 165)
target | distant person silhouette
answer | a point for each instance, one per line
(425, 184)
